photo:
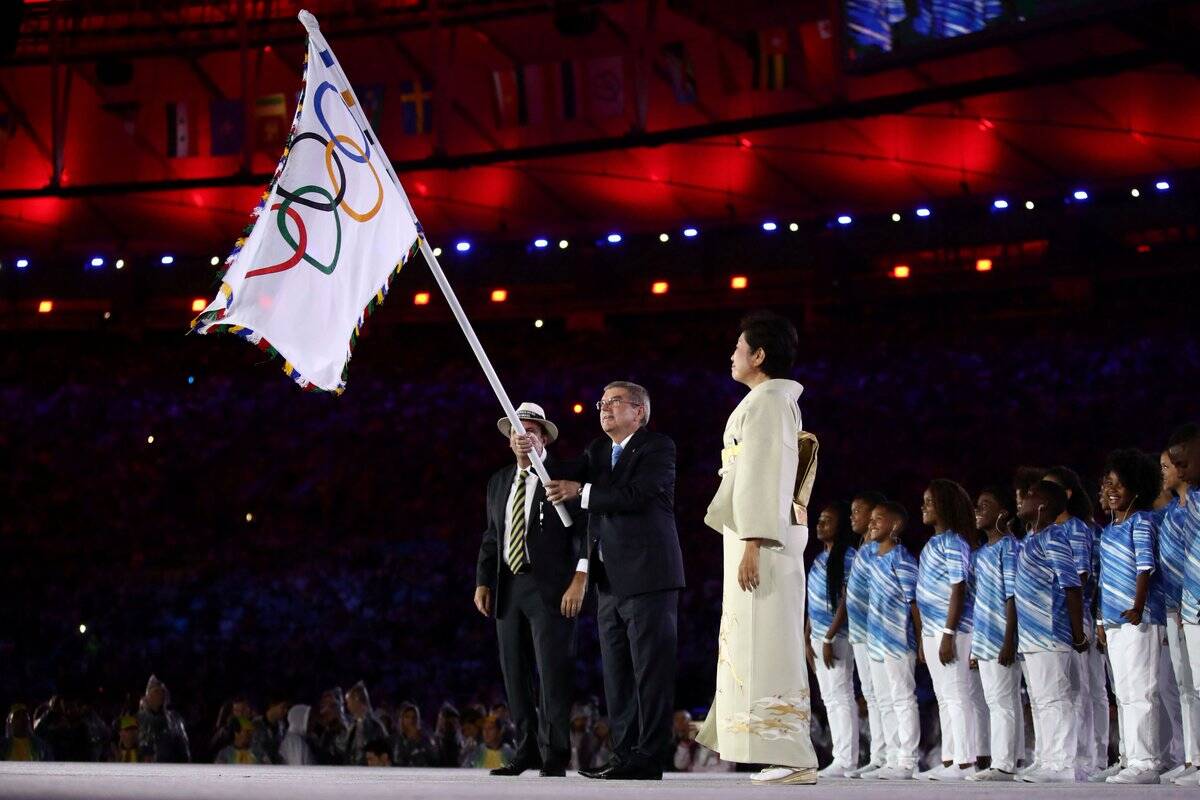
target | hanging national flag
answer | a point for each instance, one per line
(371, 97)
(567, 83)
(177, 130)
(769, 54)
(416, 102)
(270, 122)
(227, 125)
(126, 111)
(676, 67)
(606, 86)
(331, 230)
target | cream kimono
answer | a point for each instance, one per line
(760, 714)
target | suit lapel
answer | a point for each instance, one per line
(503, 491)
(627, 454)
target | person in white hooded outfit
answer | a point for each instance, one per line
(295, 749)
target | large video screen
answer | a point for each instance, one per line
(879, 32)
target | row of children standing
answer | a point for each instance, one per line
(1021, 584)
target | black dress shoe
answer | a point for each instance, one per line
(596, 772)
(512, 769)
(631, 772)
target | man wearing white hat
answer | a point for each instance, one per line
(532, 574)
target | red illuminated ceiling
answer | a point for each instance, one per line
(1086, 104)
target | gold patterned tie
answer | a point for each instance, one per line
(516, 536)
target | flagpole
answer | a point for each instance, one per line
(314, 32)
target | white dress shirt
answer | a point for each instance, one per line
(531, 482)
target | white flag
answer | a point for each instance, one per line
(331, 230)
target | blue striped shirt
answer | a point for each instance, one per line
(893, 588)
(1126, 549)
(995, 569)
(1045, 570)
(1173, 535)
(1082, 536)
(858, 587)
(1189, 609)
(820, 613)
(945, 561)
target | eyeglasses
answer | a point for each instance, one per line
(615, 401)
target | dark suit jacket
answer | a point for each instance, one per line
(554, 551)
(631, 512)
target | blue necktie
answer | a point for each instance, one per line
(616, 454)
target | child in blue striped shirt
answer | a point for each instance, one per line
(1131, 609)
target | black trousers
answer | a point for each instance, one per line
(536, 657)
(638, 643)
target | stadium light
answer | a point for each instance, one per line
(1080, 194)
(1134, 193)
(1162, 186)
(895, 217)
(463, 246)
(22, 263)
(167, 260)
(660, 287)
(1000, 203)
(738, 282)
(794, 227)
(97, 261)
(214, 260)
(923, 212)
(45, 306)
(437, 252)
(844, 219)
(614, 238)
(199, 304)
(769, 226)
(1029, 205)
(499, 295)
(664, 238)
(562, 244)
(421, 299)
(901, 271)
(541, 243)
(690, 232)
(983, 265)
(577, 408)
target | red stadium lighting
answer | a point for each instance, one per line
(499, 295)
(738, 282)
(660, 287)
(199, 304)
(421, 299)
(983, 265)
(901, 272)
(45, 307)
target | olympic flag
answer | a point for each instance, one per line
(328, 234)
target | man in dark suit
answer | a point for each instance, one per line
(527, 573)
(626, 483)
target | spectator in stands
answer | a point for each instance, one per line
(296, 749)
(269, 730)
(126, 750)
(160, 729)
(226, 724)
(20, 743)
(490, 752)
(501, 712)
(413, 747)
(378, 753)
(62, 731)
(581, 738)
(364, 725)
(601, 742)
(332, 728)
(240, 751)
(690, 756)
(448, 736)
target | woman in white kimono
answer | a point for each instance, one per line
(760, 714)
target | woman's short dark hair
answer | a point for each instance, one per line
(777, 338)
(1079, 504)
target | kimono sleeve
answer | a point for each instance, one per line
(757, 493)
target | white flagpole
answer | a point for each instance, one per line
(314, 32)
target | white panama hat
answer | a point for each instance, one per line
(533, 412)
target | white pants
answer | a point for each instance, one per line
(837, 692)
(952, 685)
(983, 735)
(862, 663)
(1048, 681)
(1135, 654)
(1170, 711)
(895, 688)
(1098, 689)
(1002, 691)
(1081, 705)
(1189, 707)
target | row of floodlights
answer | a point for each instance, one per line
(769, 226)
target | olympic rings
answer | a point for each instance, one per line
(341, 192)
(293, 259)
(287, 236)
(330, 157)
(362, 157)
